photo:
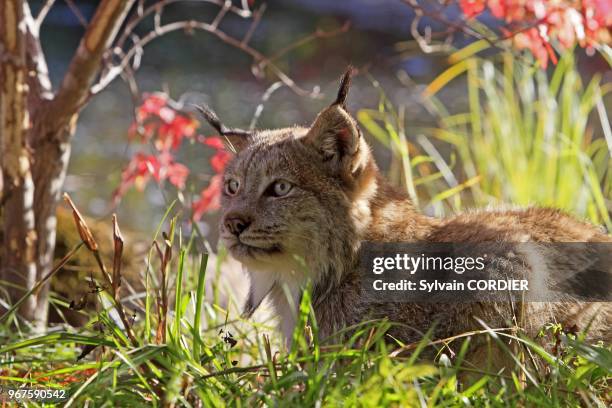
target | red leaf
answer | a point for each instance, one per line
(219, 160)
(497, 7)
(214, 141)
(142, 167)
(209, 198)
(472, 8)
(177, 174)
(537, 24)
(156, 119)
(151, 105)
(171, 134)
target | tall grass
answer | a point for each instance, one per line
(225, 364)
(528, 138)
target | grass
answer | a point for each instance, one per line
(527, 139)
(195, 353)
(232, 364)
(223, 364)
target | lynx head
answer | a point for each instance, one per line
(297, 193)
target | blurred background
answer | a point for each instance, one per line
(198, 68)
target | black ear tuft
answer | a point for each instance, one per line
(212, 118)
(236, 137)
(345, 84)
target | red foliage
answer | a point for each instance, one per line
(209, 197)
(472, 8)
(219, 160)
(142, 167)
(535, 24)
(157, 121)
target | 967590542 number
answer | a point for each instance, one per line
(9, 394)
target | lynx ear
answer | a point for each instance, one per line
(334, 132)
(236, 139)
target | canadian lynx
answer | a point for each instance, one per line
(316, 192)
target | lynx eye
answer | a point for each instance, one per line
(231, 186)
(281, 188)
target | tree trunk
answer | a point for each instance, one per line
(36, 128)
(18, 257)
(49, 173)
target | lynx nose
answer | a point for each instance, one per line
(236, 225)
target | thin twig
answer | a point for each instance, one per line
(260, 61)
(75, 10)
(43, 13)
(271, 89)
(145, 12)
(222, 12)
(256, 19)
(190, 25)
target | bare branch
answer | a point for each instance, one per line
(437, 14)
(85, 64)
(43, 13)
(245, 5)
(77, 13)
(131, 55)
(39, 83)
(256, 19)
(425, 42)
(222, 12)
(259, 109)
(191, 25)
(142, 13)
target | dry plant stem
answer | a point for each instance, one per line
(92, 245)
(117, 254)
(115, 295)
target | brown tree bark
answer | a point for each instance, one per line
(36, 128)
(18, 258)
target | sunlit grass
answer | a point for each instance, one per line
(218, 360)
(526, 139)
